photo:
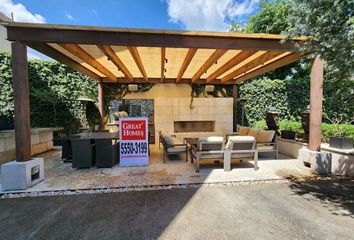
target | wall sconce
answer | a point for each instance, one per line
(133, 87)
(209, 88)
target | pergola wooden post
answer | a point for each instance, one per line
(316, 94)
(234, 96)
(21, 101)
(101, 106)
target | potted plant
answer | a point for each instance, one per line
(337, 140)
(289, 129)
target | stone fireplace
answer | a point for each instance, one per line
(193, 126)
(205, 117)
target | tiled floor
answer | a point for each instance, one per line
(61, 176)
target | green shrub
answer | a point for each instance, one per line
(260, 124)
(54, 90)
(330, 130)
(291, 126)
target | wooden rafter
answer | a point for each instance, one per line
(239, 57)
(163, 59)
(289, 58)
(208, 63)
(84, 56)
(55, 54)
(260, 60)
(135, 54)
(109, 52)
(189, 56)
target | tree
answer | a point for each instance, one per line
(330, 27)
(272, 18)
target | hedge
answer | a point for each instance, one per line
(328, 130)
(291, 97)
(54, 90)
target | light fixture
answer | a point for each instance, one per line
(132, 87)
(209, 88)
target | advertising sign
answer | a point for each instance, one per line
(133, 142)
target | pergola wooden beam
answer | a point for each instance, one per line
(26, 32)
(166, 80)
(84, 56)
(260, 60)
(208, 63)
(135, 54)
(60, 57)
(163, 61)
(292, 57)
(239, 57)
(187, 60)
(108, 51)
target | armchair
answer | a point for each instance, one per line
(207, 148)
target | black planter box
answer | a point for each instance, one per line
(341, 142)
(288, 134)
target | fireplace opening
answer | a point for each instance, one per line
(194, 126)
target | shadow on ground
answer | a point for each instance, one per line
(129, 215)
(337, 195)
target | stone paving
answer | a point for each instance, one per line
(61, 176)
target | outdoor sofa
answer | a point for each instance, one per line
(171, 145)
(265, 139)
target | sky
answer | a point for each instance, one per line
(208, 15)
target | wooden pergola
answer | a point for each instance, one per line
(119, 55)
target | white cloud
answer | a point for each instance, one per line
(210, 15)
(20, 12)
(69, 16)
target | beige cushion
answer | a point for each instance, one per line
(265, 136)
(253, 132)
(236, 139)
(241, 155)
(211, 139)
(243, 131)
(176, 149)
(211, 156)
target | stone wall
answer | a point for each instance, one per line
(172, 103)
(41, 141)
(219, 110)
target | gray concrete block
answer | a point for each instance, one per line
(22, 175)
(315, 162)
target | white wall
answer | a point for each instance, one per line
(4, 44)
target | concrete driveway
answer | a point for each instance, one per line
(303, 210)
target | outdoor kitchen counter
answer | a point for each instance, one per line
(41, 141)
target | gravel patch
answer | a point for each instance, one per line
(134, 189)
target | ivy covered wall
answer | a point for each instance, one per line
(291, 97)
(54, 90)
